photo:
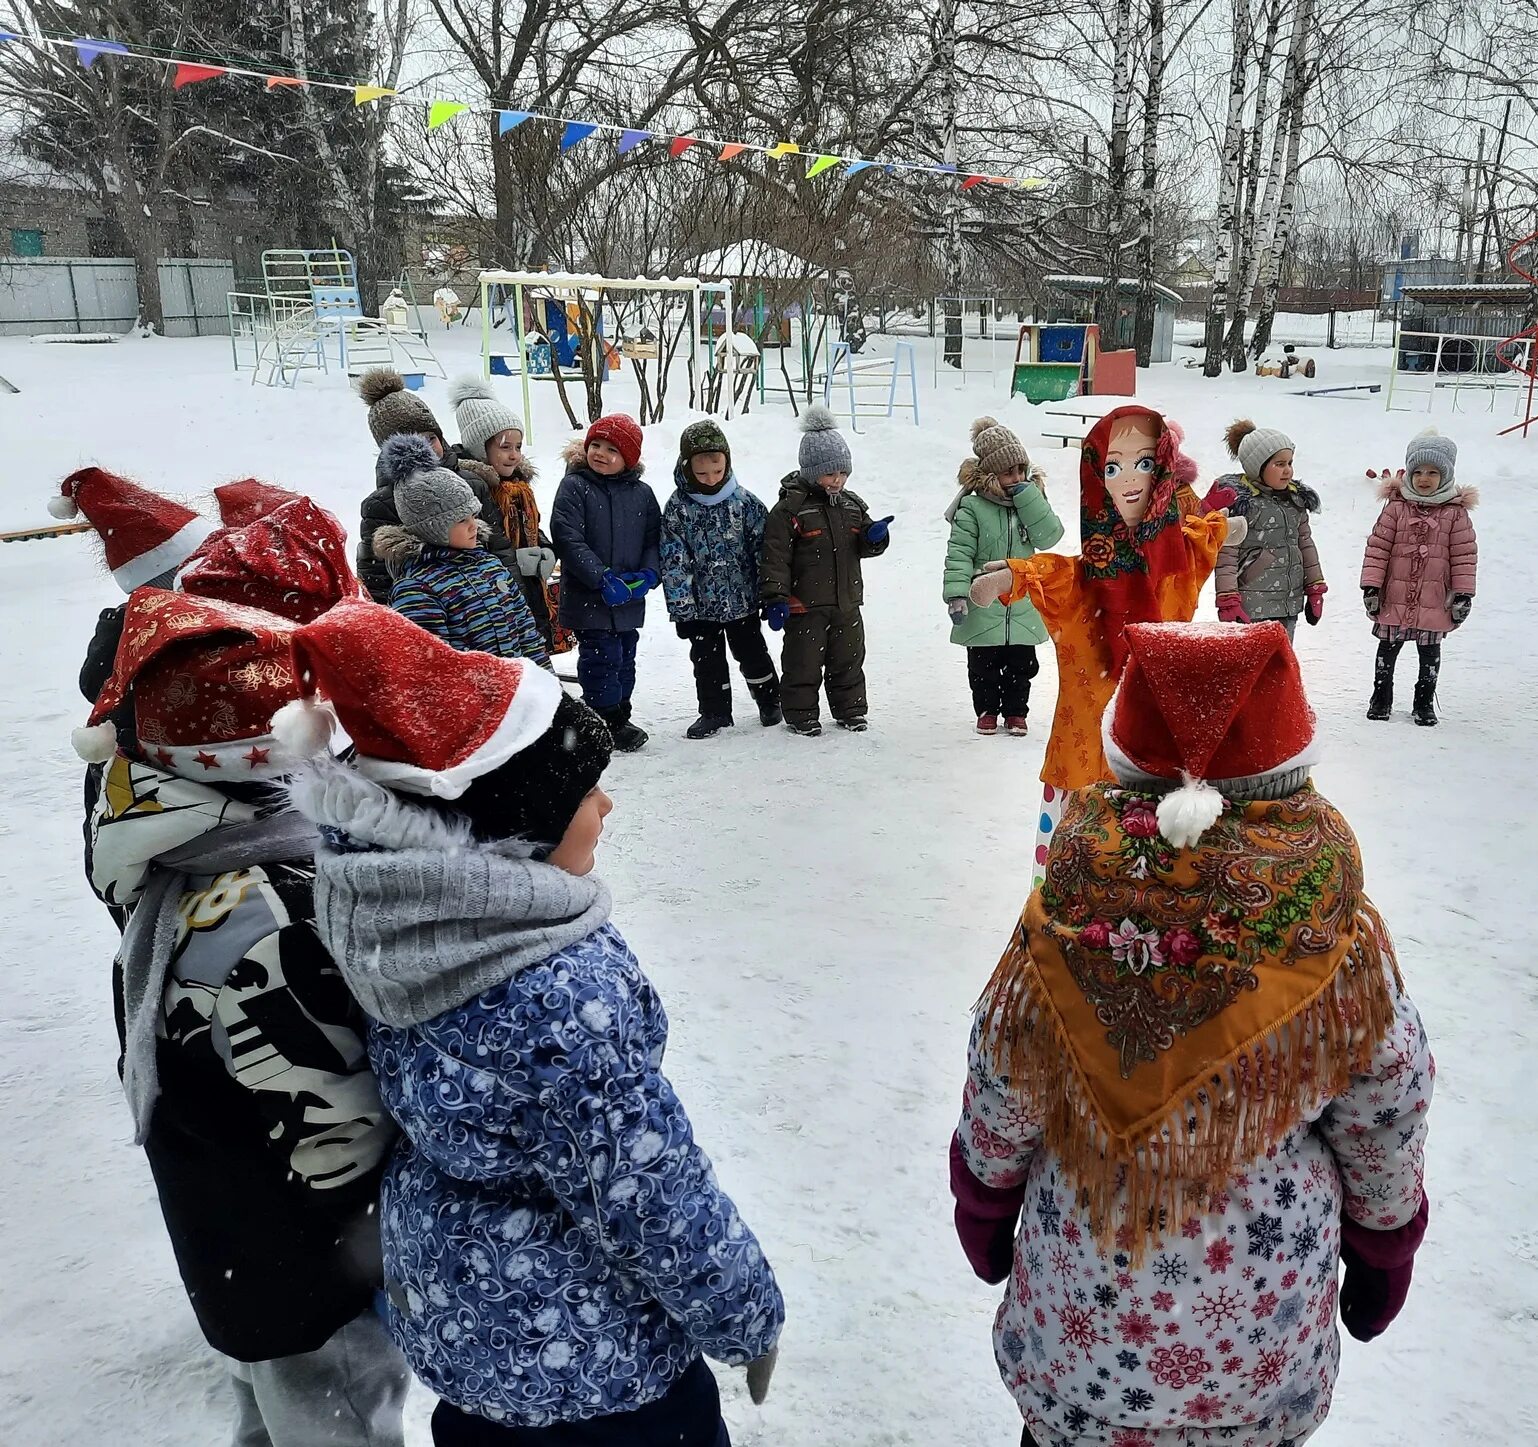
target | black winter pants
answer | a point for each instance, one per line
(823, 645)
(687, 1415)
(1001, 678)
(606, 666)
(708, 643)
(1388, 660)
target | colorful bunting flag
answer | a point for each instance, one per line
(781, 149)
(629, 140)
(442, 111)
(363, 95)
(188, 74)
(679, 145)
(855, 167)
(510, 121)
(575, 133)
(90, 50)
(280, 82)
(972, 181)
(821, 164)
(730, 151)
(8, 35)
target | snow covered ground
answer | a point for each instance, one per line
(818, 915)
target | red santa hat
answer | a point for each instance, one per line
(1219, 706)
(242, 503)
(424, 717)
(207, 677)
(292, 562)
(144, 534)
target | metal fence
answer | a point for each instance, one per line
(99, 294)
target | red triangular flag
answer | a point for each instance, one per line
(187, 74)
(679, 145)
(972, 181)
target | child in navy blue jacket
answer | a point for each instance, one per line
(445, 579)
(606, 526)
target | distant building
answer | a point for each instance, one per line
(1072, 299)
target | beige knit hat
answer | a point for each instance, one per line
(997, 448)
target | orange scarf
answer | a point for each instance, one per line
(1168, 1014)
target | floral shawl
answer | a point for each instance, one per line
(1172, 1013)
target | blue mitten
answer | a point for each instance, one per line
(614, 591)
(877, 531)
(777, 615)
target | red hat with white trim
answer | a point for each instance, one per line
(143, 533)
(242, 503)
(425, 718)
(207, 677)
(1218, 706)
(292, 562)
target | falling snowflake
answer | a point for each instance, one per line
(1265, 1234)
(1171, 1270)
(1214, 1310)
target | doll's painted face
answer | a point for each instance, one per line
(1129, 467)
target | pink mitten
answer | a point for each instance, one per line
(991, 584)
(1231, 608)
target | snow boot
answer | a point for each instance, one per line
(988, 724)
(1425, 692)
(627, 737)
(809, 730)
(1015, 725)
(855, 725)
(1382, 702)
(767, 696)
(708, 725)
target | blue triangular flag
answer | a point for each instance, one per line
(510, 120)
(949, 170)
(89, 50)
(6, 35)
(575, 133)
(860, 166)
(629, 140)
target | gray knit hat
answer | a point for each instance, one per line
(1256, 446)
(823, 450)
(429, 499)
(392, 410)
(997, 448)
(1431, 449)
(480, 415)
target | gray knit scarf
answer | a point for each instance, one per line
(150, 938)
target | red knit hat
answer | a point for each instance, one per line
(292, 562)
(144, 534)
(243, 502)
(207, 677)
(1204, 701)
(425, 718)
(621, 433)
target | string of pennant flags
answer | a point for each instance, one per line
(90, 50)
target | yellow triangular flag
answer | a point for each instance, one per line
(783, 148)
(443, 110)
(362, 95)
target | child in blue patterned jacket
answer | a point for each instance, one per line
(712, 535)
(558, 1255)
(445, 579)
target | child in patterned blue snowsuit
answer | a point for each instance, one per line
(558, 1254)
(712, 535)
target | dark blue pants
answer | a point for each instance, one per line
(688, 1415)
(606, 666)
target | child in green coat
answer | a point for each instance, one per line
(1001, 512)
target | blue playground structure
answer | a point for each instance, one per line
(309, 316)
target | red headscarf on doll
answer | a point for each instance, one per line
(1124, 563)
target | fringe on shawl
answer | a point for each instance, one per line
(1137, 1186)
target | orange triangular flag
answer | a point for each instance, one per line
(277, 82)
(730, 151)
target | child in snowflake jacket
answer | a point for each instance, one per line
(712, 535)
(1245, 1101)
(445, 579)
(557, 1249)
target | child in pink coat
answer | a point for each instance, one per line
(1418, 572)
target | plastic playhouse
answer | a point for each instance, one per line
(1057, 360)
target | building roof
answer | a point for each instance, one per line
(1126, 286)
(757, 261)
(1468, 293)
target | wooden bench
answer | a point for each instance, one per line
(1075, 439)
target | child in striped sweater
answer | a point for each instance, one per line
(445, 580)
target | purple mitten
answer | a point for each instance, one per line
(1378, 1268)
(985, 1218)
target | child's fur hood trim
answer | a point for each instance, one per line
(1464, 497)
(398, 550)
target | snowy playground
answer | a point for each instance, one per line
(821, 1048)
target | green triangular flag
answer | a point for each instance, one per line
(443, 110)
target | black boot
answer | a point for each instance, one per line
(707, 725)
(1382, 702)
(1425, 692)
(627, 737)
(767, 696)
